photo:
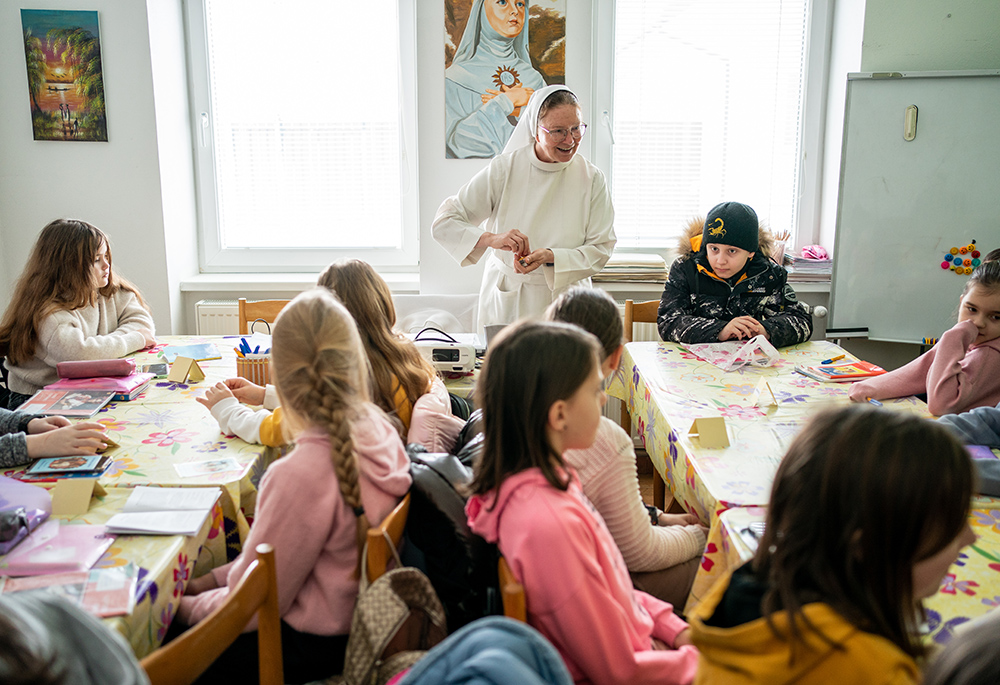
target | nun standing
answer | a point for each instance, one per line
(549, 220)
(490, 79)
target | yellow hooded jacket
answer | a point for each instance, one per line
(752, 653)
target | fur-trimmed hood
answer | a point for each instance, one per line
(696, 225)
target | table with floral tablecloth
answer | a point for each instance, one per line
(970, 589)
(666, 387)
(165, 564)
(161, 428)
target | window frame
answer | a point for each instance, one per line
(820, 31)
(213, 256)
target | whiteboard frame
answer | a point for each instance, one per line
(839, 266)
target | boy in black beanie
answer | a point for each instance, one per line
(724, 286)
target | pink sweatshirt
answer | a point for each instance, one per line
(956, 375)
(301, 513)
(578, 591)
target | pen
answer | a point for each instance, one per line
(834, 359)
(875, 402)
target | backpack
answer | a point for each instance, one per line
(461, 566)
(396, 620)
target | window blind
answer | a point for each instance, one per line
(707, 108)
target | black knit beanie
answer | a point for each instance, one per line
(731, 223)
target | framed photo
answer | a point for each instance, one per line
(62, 52)
(496, 53)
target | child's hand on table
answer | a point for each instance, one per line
(201, 584)
(665, 519)
(245, 391)
(148, 336)
(55, 436)
(743, 327)
(214, 395)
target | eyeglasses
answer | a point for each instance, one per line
(561, 133)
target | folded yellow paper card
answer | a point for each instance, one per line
(711, 431)
(183, 369)
(71, 496)
(762, 395)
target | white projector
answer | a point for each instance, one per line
(450, 357)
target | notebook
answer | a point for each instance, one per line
(840, 373)
(124, 387)
(164, 511)
(78, 403)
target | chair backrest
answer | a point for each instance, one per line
(186, 658)
(259, 309)
(514, 605)
(639, 312)
(389, 532)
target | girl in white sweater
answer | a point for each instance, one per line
(69, 305)
(661, 550)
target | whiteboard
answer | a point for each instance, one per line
(904, 204)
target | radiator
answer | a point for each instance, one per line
(217, 317)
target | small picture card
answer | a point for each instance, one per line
(193, 469)
(57, 465)
(711, 431)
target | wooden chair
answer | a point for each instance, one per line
(259, 309)
(389, 532)
(512, 593)
(186, 658)
(642, 312)
(639, 312)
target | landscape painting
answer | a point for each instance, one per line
(62, 51)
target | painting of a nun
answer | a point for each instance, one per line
(494, 70)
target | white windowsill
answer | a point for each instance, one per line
(408, 282)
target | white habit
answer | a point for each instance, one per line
(563, 206)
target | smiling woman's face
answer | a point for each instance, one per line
(505, 16)
(553, 147)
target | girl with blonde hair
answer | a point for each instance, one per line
(69, 305)
(314, 505)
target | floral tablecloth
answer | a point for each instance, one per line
(165, 564)
(665, 388)
(970, 589)
(165, 426)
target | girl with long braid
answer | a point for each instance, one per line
(314, 505)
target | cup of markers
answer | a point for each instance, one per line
(252, 363)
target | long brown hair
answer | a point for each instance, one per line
(395, 361)
(321, 379)
(529, 366)
(58, 276)
(861, 496)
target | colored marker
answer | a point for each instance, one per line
(834, 359)
(875, 402)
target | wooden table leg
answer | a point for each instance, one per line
(659, 491)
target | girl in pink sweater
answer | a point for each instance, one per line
(962, 371)
(348, 468)
(541, 392)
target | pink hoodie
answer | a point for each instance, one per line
(301, 513)
(577, 587)
(956, 375)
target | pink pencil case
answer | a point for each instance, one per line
(96, 367)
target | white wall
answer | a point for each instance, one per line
(114, 185)
(931, 35)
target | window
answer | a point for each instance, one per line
(302, 132)
(707, 106)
